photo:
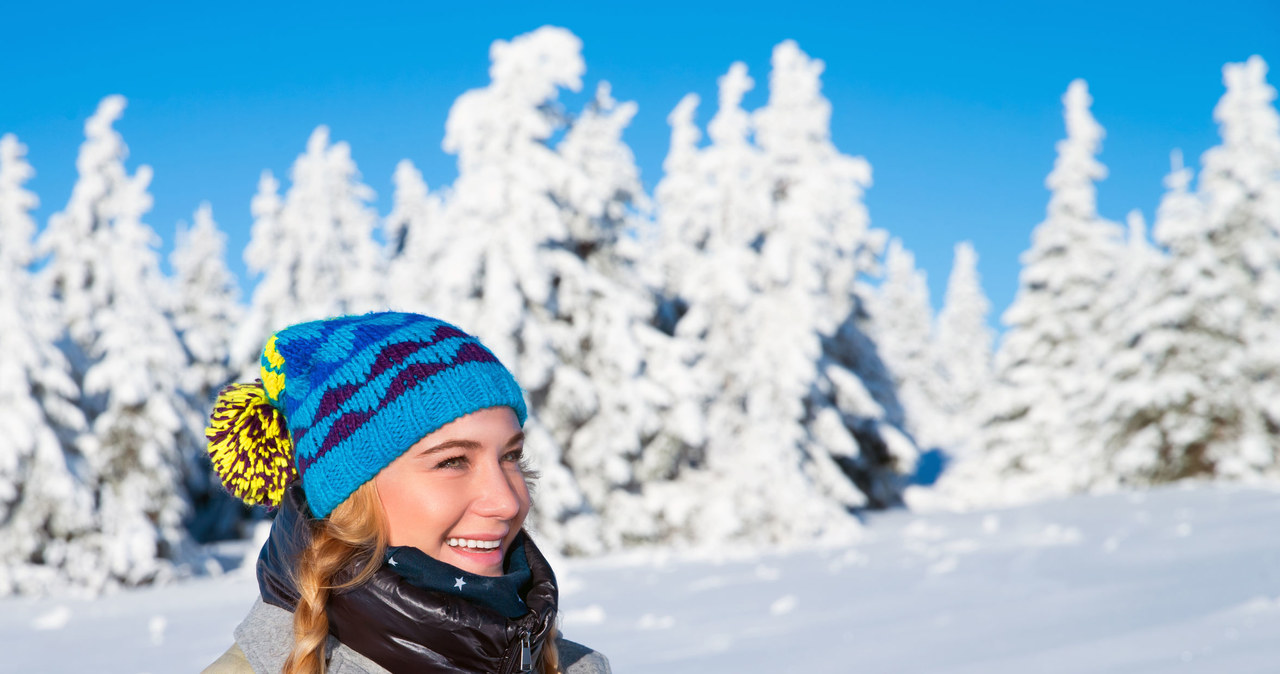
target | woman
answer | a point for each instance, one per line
(391, 444)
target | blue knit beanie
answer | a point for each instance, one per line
(341, 398)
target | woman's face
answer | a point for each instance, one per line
(459, 493)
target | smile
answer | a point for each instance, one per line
(470, 543)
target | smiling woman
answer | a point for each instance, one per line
(392, 445)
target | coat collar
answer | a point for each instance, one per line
(403, 627)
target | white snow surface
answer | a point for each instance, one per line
(1179, 579)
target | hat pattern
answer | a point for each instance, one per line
(355, 392)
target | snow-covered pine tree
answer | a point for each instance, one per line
(710, 214)
(602, 404)
(1240, 187)
(43, 503)
(962, 350)
(314, 248)
(678, 240)
(1196, 388)
(1033, 442)
(206, 314)
(507, 238)
(208, 309)
(418, 245)
(901, 324)
(755, 240)
(104, 270)
(821, 246)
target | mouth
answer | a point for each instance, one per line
(480, 553)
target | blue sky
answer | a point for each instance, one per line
(956, 105)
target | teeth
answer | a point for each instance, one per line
(472, 544)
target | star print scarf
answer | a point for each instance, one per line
(406, 628)
(504, 594)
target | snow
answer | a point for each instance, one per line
(1178, 579)
(707, 365)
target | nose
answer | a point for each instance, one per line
(500, 494)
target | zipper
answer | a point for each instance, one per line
(526, 657)
(519, 656)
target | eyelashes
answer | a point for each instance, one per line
(460, 461)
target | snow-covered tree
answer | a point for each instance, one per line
(762, 242)
(1035, 429)
(206, 314)
(509, 244)
(419, 246)
(42, 500)
(711, 222)
(602, 404)
(819, 246)
(1197, 386)
(901, 323)
(207, 310)
(962, 349)
(314, 248)
(104, 270)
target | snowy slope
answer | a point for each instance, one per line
(1174, 580)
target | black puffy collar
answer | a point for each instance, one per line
(405, 628)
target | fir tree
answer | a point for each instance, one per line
(509, 244)
(902, 326)
(1196, 385)
(600, 405)
(208, 308)
(1035, 435)
(762, 242)
(419, 248)
(962, 350)
(314, 248)
(104, 270)
(43, 502)
(205, 314)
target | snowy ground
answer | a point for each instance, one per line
(1175, 580)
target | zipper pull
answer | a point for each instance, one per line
(526, 656)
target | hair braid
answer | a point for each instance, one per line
(550, 661)
(354, 530)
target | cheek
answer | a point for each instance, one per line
(416, 512)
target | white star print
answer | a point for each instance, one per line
(460, 583)
(392, 561)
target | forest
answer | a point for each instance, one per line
(737, 358)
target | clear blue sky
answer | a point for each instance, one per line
(956, 105)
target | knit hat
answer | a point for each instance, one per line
(341, 398)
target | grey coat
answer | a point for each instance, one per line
(265, 637)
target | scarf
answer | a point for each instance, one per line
(503, 594)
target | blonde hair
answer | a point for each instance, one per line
(356, 531)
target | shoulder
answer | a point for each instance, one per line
(578, 659)
(265, 637)
(264, 640)
(231, 662)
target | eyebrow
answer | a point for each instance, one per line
(469, 445)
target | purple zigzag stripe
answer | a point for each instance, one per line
(390, 356)
(347, 424)
(334, 398)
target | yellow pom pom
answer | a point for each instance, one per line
(249, 445)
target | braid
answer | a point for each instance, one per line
(355, 530)
(550, 663)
